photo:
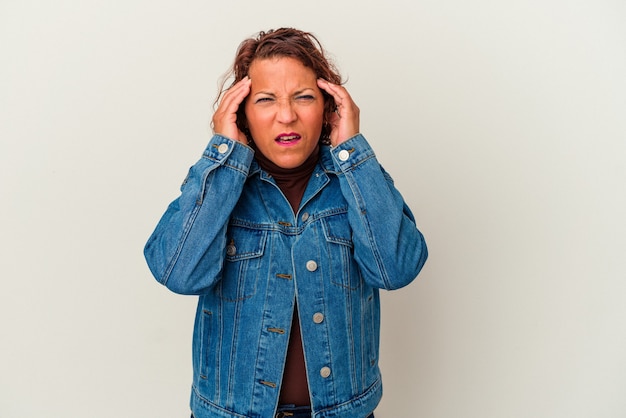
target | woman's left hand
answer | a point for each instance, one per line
(345, 120)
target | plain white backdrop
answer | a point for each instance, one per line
(503, 124)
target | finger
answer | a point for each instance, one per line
(343, 100)
(235, 95)
(339, 93)
(345, 120)
(225, 116)
(345, 105)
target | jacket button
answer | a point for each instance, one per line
(222, 148)
(343, 155)
(325, 372)
(231, 250)
(311, 265)
(305, 216)
(318, 317)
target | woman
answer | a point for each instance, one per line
(286, 228)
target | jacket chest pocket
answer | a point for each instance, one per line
(244, 250)
(338, 234)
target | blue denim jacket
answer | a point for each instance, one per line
(233, 239)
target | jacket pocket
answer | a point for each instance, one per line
(338, 235)
(244, 249)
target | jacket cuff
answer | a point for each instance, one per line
(352, 152)
(228, 152)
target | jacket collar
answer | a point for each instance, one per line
(325, 163)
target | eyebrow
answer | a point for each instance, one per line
(295, 93)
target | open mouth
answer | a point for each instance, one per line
(290, 138)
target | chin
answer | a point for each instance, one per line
(288, 164)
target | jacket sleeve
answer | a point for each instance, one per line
(186, 250)
(388, 247)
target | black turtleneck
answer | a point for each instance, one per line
(292, 182)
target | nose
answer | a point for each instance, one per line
(286, 113)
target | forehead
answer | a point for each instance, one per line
(281, 73)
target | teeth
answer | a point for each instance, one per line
(288, 138)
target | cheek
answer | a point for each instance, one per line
(252, 117)
(316, 118)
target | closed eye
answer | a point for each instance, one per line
(305, 97)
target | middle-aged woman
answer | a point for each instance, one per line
(286, 228)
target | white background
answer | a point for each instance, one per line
(503, 123)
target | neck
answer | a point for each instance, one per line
(291, 181)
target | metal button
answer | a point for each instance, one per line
(325, 372)
(222, 148)
(305, 216)
(343, 155)
(318, 317)
(311, 265)
(231, 250)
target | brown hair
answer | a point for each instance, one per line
(284, 42)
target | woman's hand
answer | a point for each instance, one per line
(345, 120)
(225, 117)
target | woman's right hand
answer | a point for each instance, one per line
(225, 117)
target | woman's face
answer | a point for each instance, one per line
(285, 110)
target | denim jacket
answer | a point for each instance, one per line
(233, 239)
